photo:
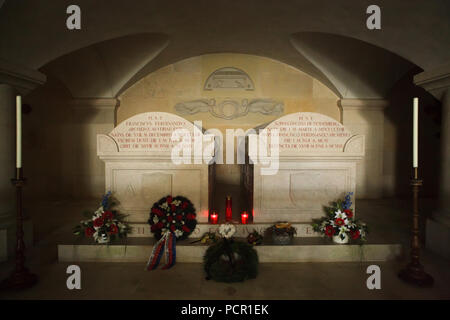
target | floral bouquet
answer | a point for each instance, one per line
(255, 238)
(207, 238)
(105, 224)
(340, 223)
(281, 228)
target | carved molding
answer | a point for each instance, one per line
(20, 77)
(106, 145)
(363, 104)
(355, 145)
(229, 78)
(94, 103)
(436, 81)
(230, 109)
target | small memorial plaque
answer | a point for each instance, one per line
(308, 132)
(152, 132)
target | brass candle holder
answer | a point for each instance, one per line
(414, 272)
(20, 278)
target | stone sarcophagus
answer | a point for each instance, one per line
(317, 165)
(139, 166)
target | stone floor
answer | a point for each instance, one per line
(187, 281)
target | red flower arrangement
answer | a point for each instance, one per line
(349, 213)
(105, 224)
(340, 222)
(98, 222)
(113, 229)
(107, 215)
(89, 232)
(174, 214)
(355, 234)
(329, 231)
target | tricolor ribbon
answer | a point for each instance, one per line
(165, 245)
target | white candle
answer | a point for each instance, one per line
(18, 132)
(415, 132)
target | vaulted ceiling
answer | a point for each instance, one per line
(122, 41)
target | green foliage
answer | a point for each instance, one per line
(207, 238)
(231, 261)
(77, 230)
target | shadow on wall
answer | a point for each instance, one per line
(228, 182)
(46, 138)
(59, 147)
(398, 138)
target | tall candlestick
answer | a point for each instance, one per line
(415, 132)
(20, 278)
(18, 132)
(414, 272)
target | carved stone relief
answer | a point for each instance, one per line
(229, 78)
(230, 109)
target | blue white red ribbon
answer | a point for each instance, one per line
(166, 246)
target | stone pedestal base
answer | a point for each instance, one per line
(304, 230)
(438, 238)
(8, 238)
(301, 250)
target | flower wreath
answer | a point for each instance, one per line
(228, 260)
(175, 214)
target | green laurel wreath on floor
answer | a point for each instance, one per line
(231, 261)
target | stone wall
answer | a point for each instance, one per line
(184, 81)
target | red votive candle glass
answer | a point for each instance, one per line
(228, 211)
(244, 217)
(214, 218)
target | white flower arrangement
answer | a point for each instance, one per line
(164, 205)
(227, 230)
(178, 233)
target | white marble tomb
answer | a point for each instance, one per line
(139, 168)
(318, 157)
